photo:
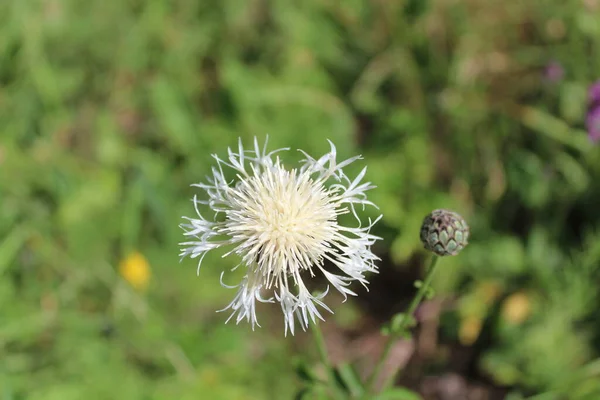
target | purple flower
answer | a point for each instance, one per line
(554, 71)
(594, 93)
(592, 120)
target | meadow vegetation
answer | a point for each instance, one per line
(109, 110)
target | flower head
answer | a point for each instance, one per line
(594, 92)
(554, 72)
(592, 122)
(444, 232)
(135, 269)
(283, 225)
(516, 308)
(592, 119)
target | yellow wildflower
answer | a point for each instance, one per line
(470, 328)
(516, 308)
(488, 291)
(135, 270)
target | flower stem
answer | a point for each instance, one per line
(320, 342)
(391, 340)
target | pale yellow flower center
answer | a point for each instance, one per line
(287, 217)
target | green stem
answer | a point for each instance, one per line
(403, 325)
(320, 342)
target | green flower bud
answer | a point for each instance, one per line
(444, 232)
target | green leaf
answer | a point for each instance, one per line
(302, 394)
(305, 373)
(398, 320)
(398, 394)
(429, 293)
(132, 217)
(312, 393)
(11, 246)
(554, 128)
(350, 379)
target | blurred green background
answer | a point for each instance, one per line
(109, 110)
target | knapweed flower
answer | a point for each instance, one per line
(592, 120)
(554, 72)
(283, 225)
(444, 232)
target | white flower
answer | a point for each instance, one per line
(283, 224)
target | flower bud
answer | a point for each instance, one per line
(444, 232)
